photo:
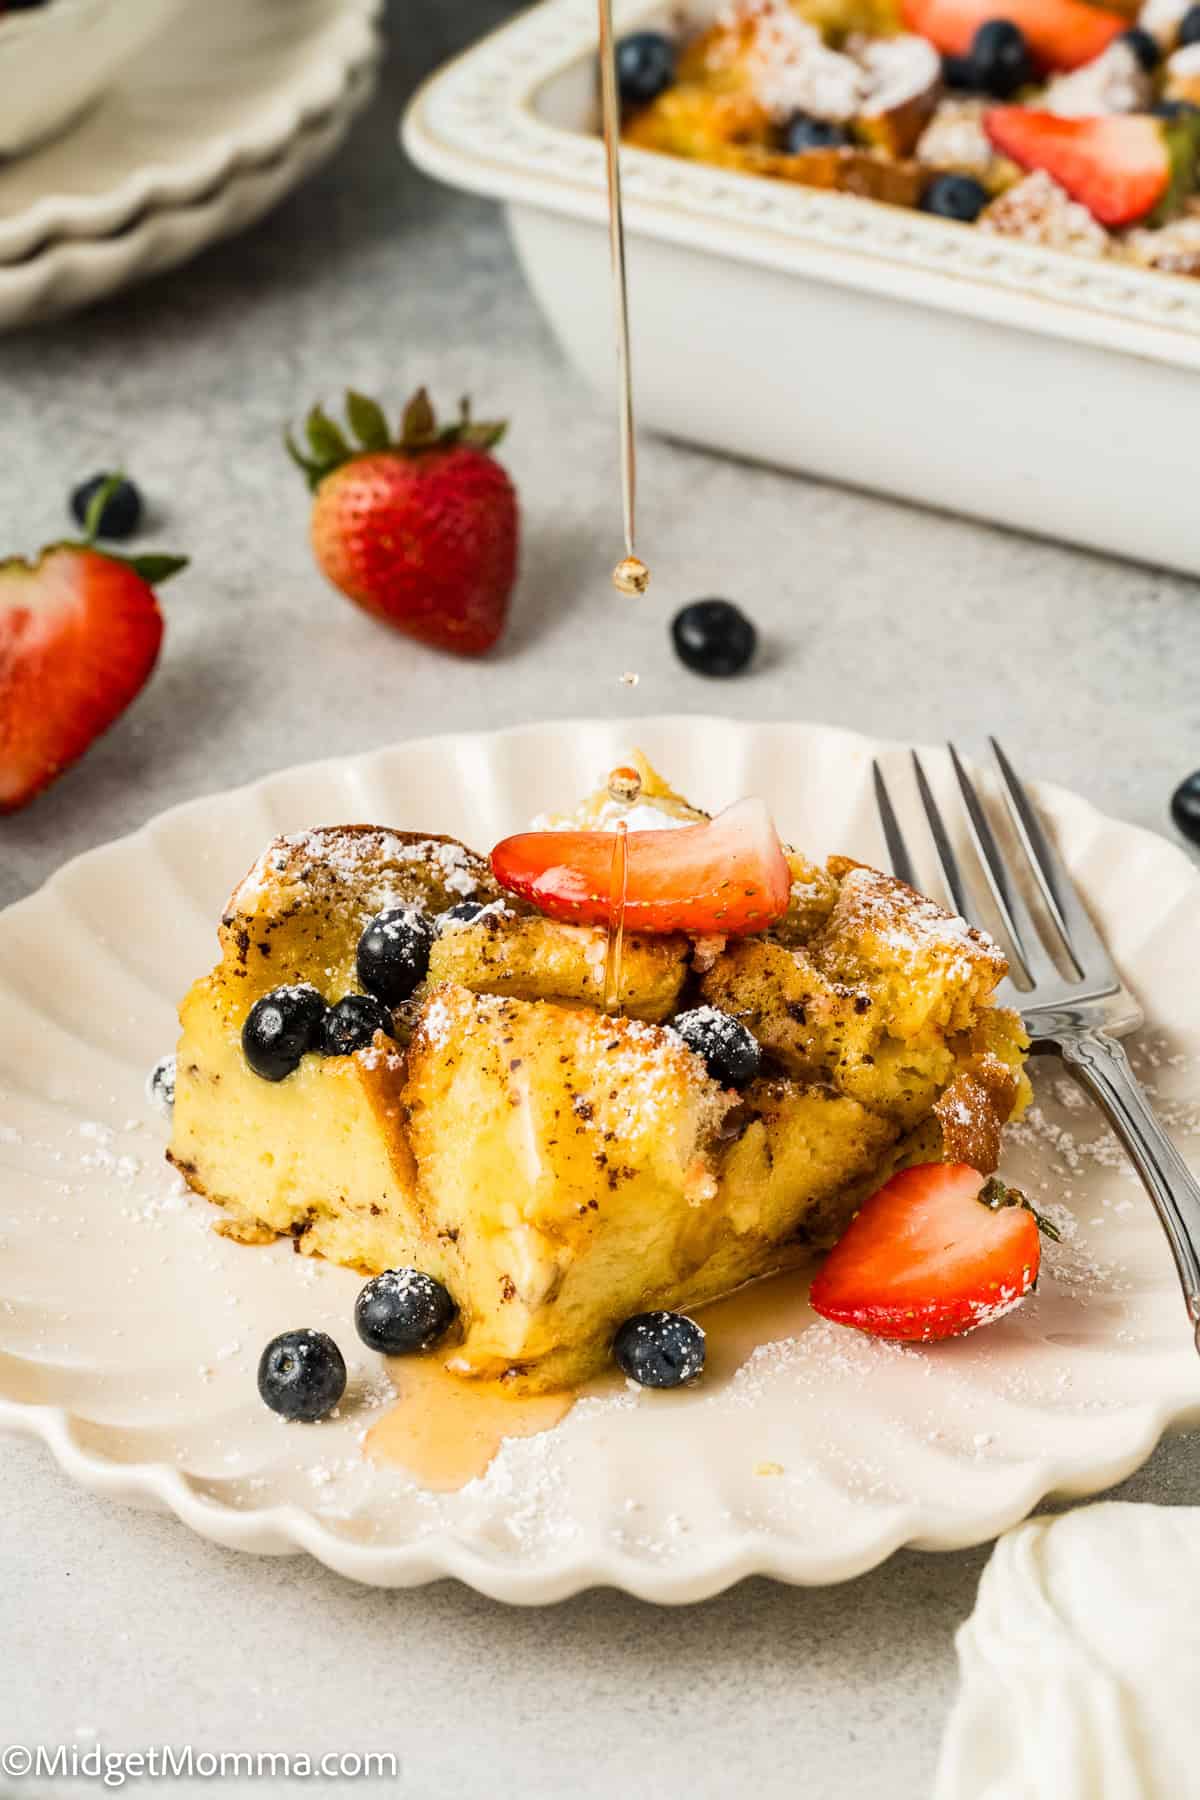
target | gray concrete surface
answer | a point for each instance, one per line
(896, 621)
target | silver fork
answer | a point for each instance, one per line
(1082, 1015)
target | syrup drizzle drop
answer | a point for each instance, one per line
(631, 575)
(624, 785)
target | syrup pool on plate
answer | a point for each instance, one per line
(445, 1429)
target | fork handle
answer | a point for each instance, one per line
(1101, 1066)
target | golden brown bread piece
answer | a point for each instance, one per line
(532, 958)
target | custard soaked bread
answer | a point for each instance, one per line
(559, 1169)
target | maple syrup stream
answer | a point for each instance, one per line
(631, 575)
(445, 1429)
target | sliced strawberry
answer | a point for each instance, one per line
(937, 1251)
(79, 635)
(1120, 166)
(727, 876)
(1061, 34)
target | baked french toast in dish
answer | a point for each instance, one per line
(556, 1166)
(1070, 124)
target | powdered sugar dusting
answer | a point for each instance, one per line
(355, 857)
(790, 67)
(1114, 82)
(1038, 211)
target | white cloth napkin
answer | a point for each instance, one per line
(1081, 1662)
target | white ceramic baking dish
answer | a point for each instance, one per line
(830, 334)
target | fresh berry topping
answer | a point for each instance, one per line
(403, 1311)
(422, 530)
(351, 1024)
(1119, 167)
(999, 58)
(302, 1375)
(714, 637)
(645, 66)
(393, 953)
(726, 877)
(465, 913)
(280, 1028)
(117, 515)
(731, 1053)
(79, 635)
(1175, 109)
(802, 132)
(659, 1349)
(1189, 27)
(958, 72)
(160, 1084)
(1145, 47)
(1061, 34)
(937, 1251)
(955, 197)
(1185, 807)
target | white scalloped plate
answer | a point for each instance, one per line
(231, 84)
(77, 272)
(129, 1331)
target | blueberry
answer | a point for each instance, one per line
(393, 953)
(659, 1349)
(403, 1310)
(1145, 47)
(958, 72)
(302, 1375)
(955, 197)
(463, 914)
(351, 1024)
(1185, 807)
(802, 132)
(122, 511)
(160, 1083)
(999, 58)
(714, 637)
(731, 1053)
(645, 66)
(280, 1027)
(1174, 109)
(1189, 27)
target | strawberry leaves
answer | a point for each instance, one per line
(153, 567)
(367, 421)
(327, 446)
(995, 1194)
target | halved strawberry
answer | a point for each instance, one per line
(1120, 166)
(79, 635)
(1061, 34)
(939, 1250)
(727, 876)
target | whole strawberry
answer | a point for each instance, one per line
(421, 531)
(80, 632)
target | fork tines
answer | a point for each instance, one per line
(1075, 937)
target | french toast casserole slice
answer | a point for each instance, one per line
(558, 1168)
